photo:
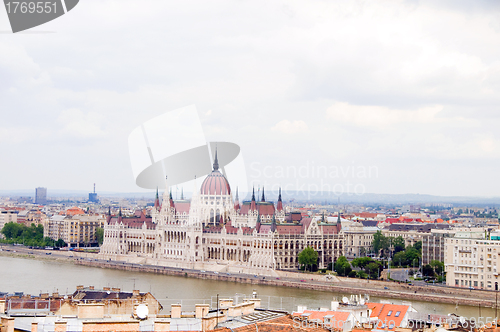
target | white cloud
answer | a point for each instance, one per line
(403, 79)
(382, 117)
(291, 127)
(76, 123)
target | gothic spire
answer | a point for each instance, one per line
(237, 201)
(263, 197)
(216, 161)
(182, 194)
(253, 206)
(280, 203)
(157, 200)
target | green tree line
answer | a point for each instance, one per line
(28, 235)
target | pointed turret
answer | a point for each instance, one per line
(273, 224)
(280, 203)
(253, 206)
(237, 201)
(338, 215)
(171, 200)
(263, 197)
(157, 200)
(182, 194)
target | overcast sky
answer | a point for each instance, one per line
(387, 96)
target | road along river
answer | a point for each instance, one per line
(34, 276)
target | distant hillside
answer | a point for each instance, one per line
(301, 196)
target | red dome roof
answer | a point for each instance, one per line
(215, 184)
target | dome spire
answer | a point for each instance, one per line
(216, 161)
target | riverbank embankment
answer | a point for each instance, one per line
(343, 285)
(384, 289)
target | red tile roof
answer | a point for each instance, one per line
(388, 313)
(289, 229)
(182, 206)
(280, 324)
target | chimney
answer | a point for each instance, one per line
(201, 310)
(79, 287)
(106, 288)
(91, 287)
(175, 311)
(135, 292)
(115, 290)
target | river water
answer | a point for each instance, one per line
(40, 276)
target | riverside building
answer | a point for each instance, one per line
(214, 231)
(472, 260)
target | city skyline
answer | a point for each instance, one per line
(407, 90)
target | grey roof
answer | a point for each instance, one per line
(185, 324)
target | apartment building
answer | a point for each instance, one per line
(433, 244)
(411, 232)
(472, 260)
(7, 216)
(358, 239)
(74, 230)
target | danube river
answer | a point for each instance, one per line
(33, 276)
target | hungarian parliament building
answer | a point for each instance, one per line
(214, 231)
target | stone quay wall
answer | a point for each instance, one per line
(348, 286)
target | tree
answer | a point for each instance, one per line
(308, 256)
(373, 269)
(361, 262)
(60, 243)
(428, 271)
(418, 247)
(437, 266)
(380, 243)
(400, 258)
(362, 251)
(342, 266)
(99, 234)
(399, 244)
(11, 230)
(411, 255)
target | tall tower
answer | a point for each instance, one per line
(41, 195)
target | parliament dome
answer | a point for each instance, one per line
(215, 183)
